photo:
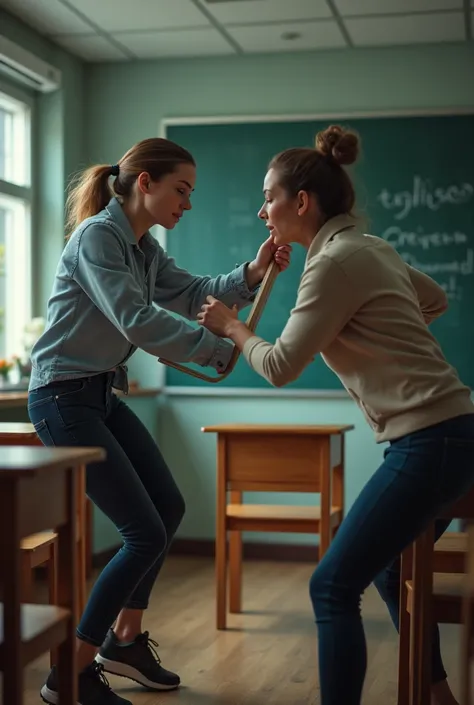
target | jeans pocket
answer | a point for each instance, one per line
(43, 432)
(68, 390)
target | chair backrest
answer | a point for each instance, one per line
(22, 434)
(286, 463)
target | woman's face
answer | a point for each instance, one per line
(166, 200)
(288, 218)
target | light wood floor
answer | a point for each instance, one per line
(268, 655)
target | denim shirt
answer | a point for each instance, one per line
(102, 305)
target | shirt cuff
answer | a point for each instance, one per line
(221, 356)
(239, 283)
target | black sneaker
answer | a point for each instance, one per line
(93, 688)
(137, 660)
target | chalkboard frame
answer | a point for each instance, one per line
(161, 234)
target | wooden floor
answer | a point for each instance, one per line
(268, 656)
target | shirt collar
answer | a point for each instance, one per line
(115, 211)
(331, 227)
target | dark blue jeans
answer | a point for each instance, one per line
(422, 474)
(133, 488)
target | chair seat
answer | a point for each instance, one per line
(277, 517)
(35, 541)
(448, 590)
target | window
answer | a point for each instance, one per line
(15, 222)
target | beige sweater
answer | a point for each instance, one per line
(366, 312)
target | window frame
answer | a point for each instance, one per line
(26, 194)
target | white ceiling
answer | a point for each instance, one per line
(120, 30)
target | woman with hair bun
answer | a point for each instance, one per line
(367, 313)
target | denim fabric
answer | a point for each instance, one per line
(422, 473)
(133, 488)
(101, 307)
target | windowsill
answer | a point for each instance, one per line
(17, 397)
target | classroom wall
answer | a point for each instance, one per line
(126, 103)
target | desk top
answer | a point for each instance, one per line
(22, 461)
(278, 429)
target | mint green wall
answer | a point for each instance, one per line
(58, 141)
(126, 103)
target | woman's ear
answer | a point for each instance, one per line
(143, 182)
(302, 202)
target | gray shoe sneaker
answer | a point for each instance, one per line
(137, 660)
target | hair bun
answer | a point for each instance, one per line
(338, 144)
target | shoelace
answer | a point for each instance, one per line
(150, 645)
(97, 671)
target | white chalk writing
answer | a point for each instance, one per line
(400, 238)
(424, 195)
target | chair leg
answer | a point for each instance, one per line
(52, 569)
(27, 578)
(81, 578)
(221, 577)
(404, 630)
(235, 571)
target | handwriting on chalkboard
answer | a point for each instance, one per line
(424, 195)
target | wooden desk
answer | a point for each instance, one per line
(273, 458)
(37, 491)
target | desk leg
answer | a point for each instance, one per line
(325, 523)
(235, 562)
(221, 536)
(67, 596)
(11, 576)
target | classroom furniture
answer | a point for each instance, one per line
(37, 490)
(273, 458)
(40, 548)
(408, 199)
(429, 592)
(467, 644)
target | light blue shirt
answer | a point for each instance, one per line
(109, 298)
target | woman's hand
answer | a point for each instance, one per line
(267, 251)
(217, 317)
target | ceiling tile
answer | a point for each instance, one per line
(381, 7)
(267, 38)
(415, 29)
(265, 11)
(46, 16)
(90, 47)
(177, 43)
(126, 16)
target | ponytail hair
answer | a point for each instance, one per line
(91, 190)
(89, 193)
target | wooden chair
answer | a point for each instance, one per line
(40, 549)
(263, 458)
(467, 645)
(431, 591)
(29, 478)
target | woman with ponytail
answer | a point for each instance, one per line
(113, 288)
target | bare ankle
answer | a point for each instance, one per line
(86, 654)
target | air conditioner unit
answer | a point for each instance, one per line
(28, 68)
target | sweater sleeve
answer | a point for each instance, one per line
(325, 303)
(431, 297)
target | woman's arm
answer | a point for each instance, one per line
(100, 270)
(432, 298)
(184, 293)
(325, 303)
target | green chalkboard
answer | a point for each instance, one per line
(414, 183)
